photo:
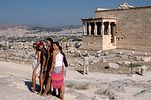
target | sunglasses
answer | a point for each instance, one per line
(34, 46)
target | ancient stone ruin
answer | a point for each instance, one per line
(126, 27)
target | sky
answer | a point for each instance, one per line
(56, 12)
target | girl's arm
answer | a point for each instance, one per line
(44, 63)
(47, 61)
(54, 53)
(38, 59)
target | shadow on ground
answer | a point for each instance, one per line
(80, 71)
(29, 85)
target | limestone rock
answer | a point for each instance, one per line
(113, 65)
(123, 63)
(146, 59)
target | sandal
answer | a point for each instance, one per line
(44, 94)
(39, 93)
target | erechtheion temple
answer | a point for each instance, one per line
(126, 27)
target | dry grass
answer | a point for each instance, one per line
(78, 86)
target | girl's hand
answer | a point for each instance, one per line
(50, 72)
(34, 71)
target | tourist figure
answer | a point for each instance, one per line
(57, 69)
(85, 65)
(36, 65)
(43, 59)
(49, 43)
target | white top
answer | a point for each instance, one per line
(86, 60)
(35, 62)
(59, 60)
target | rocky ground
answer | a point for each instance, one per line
(15, 82)
(100, 86)
(110, 76)
(113, 61)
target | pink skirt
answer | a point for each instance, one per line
(58, 79)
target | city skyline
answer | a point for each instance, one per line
(55, 12)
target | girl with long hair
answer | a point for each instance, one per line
(49, 43)
(57, 69)
(43, 60)
(36, 65)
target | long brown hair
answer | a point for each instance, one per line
(35, 46)
(61, 51)
(51, 47)
(60, 48)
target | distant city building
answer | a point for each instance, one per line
(127, 27)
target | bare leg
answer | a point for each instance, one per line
(87, 69)
(41, 83)
(62, 92)
(47, 87)
(84, 69)
(44, 79)
(33, 82)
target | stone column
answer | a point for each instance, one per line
(102, 28)
(109, 28)
(89, 29)
(95, 28)
(113, 30)
(84, 29)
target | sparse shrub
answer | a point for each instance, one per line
(133, 65)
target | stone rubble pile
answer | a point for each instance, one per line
(112, 59)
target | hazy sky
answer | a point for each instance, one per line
(56, 12)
